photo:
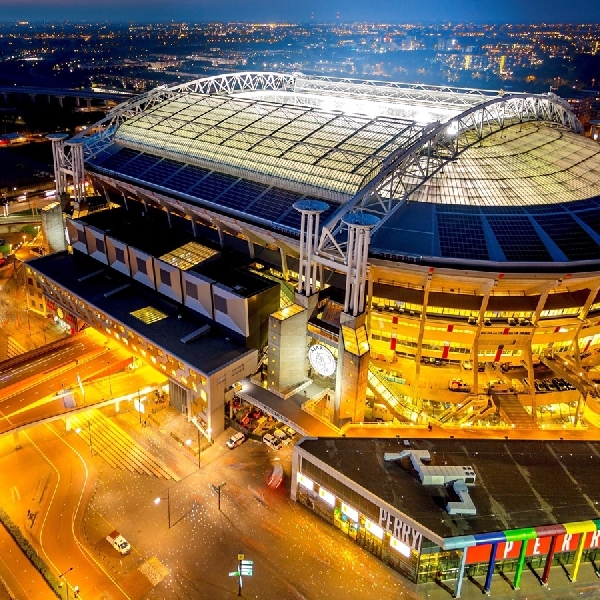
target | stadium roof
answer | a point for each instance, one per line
(323, 151)
(452, 175)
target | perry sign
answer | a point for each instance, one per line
(566, 542)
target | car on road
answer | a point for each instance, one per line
(271, 441)
(235, 440)
(118, 542)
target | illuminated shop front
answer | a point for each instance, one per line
(420, 509)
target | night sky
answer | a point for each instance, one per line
(388, 11)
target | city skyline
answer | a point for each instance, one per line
(428, 11)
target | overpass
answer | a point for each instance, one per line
(61, 93)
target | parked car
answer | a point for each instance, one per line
(481, 367)
(271, 441)
(458, 385)
(235, 440)
(281, 435)
(466, 365)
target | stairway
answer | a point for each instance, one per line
(117, 448)
(401, 409)
(513, 411)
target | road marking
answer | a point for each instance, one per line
(82, 548)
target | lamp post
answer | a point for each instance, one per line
(109, 384)
(157, 502)
(218, 488)
(64, 576)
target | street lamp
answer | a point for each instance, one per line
(217, 488)
(64, 576)
(157, 502)
(109, 384)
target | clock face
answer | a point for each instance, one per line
(60, 313)
(322, 360)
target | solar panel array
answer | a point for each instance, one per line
(518, 238)
(461, 236)
(225, 192)
(460, 233)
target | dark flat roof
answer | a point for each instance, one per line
(151, 233)
(519, 483)
(208, 353)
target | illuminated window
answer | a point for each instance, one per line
(305, 482)
(349, 512)
(399, 546)
(374, 529)
(188, 255)
(148, 315)
(327, 496)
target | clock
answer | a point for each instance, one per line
(322, 360)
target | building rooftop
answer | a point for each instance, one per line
(519, 483)
(91, 281)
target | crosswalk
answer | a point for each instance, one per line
(117, 448)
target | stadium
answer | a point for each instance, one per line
(364, 234)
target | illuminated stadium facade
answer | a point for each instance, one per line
(413, 223)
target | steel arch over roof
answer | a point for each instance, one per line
(383, 177)
(406, 169)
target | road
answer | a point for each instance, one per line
(49, 478)
(73, 349)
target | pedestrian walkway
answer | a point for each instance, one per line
(117, 448)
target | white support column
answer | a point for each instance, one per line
(58, 155)
(78, 170)
(359, 235)
(310, 211)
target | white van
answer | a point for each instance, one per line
(282, 437)
(235, 440)
(271, 441)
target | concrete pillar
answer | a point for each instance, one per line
(32, 96)
(357, 253)
(310, 211)
(352, 370)
(89, 103)
(5, 94)
(58, 155)
(16, 440)
(422, 323)
(68, 423)
(117, 406)
(77, 169)
(77, 101)
(49, 98)
(60, 100)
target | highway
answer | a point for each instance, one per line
(15, 371)
(53, 485)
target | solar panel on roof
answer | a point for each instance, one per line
(569, 236)
(187, 178)
(120, 158)
(241, 194)
(162, 171)
(213, 185)
(139, 165)
(273, 203)
(591, 218)
(518, 238)
(461, 236)
(536, 209)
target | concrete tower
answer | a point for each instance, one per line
(353, 347)
(287, 366)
